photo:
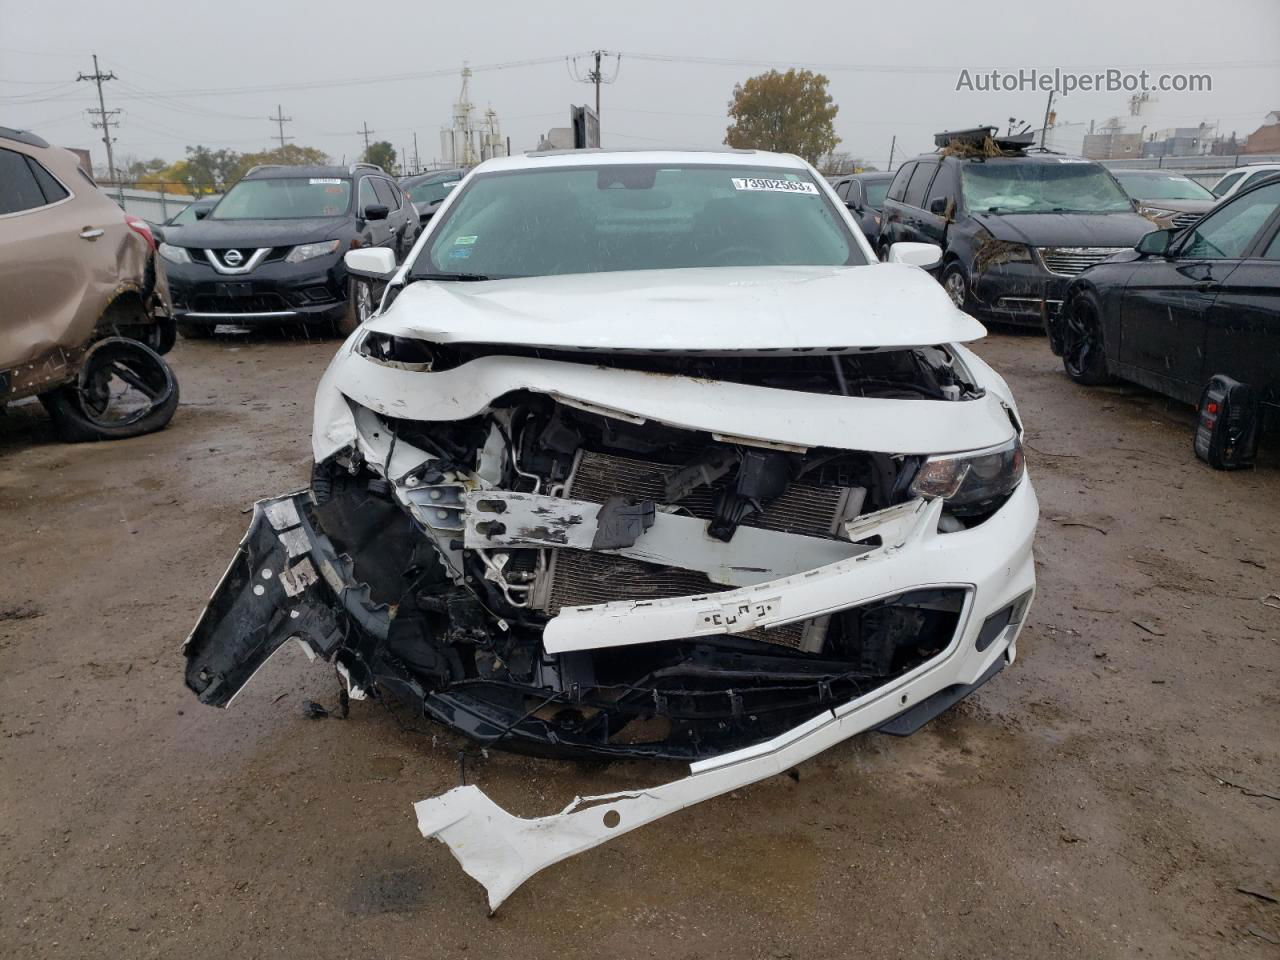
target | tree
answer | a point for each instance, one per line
(787, 112)
(381, 153)
(210, 171)
(290, 155)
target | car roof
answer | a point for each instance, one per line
(1253, 168)
(872, 175)
(433, 175)
(1045, 156)
(275, 170)
(596, 157)
(23, 136)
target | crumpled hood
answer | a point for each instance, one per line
(1067, 229)
(220, 234)
(713, 309)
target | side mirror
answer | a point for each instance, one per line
(917, 254)
(202, 212)
(853, 205)
(1155, 243)
(376, 263)
(938, 205)
(376, 211)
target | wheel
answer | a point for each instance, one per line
(1083, 356)
(359, 307)
(956, 283)
(123, 389)
(194, 331)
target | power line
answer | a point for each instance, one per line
(281, 119)
(104, 115)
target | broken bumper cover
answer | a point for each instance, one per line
(501, 851)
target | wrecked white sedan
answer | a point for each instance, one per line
(644, 454)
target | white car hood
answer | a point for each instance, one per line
(717, 309)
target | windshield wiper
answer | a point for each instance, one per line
(451, 276)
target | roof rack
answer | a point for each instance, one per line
(366, 166)
(263, 166)
(976, 138)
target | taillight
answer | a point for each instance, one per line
(142, 229)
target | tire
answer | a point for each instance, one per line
(123, 389)
(956, 284)
(359, 307)
(194, 331)
(1083, 356)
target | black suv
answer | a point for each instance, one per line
(271, 250)
(1015, 225)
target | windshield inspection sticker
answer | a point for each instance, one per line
(774, 186)
(316, 180)
(465, 241)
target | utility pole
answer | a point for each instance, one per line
(417, 163)
(597, 76)
(281, 119)
(104, 115)
(367, 132)
(892, 146)
(1044, 130)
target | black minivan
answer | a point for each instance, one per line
(1015, 224)
(271, 251)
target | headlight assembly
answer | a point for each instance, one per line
(972, 482)
(309, 251)
(1155, 213)
(174, 254)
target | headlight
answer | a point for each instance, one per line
(972, 481)
(174, 254)
(993, 252)
(309, 251)
(1157, 213)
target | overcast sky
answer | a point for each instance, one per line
(893, 66)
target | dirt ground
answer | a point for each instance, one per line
(1074, 807)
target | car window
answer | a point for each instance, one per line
(1229, 233)
(1258, 177)
(19, 189)
(875, 191)
(1273, 248)
(1162, 186)
(842, 189)
(615, 217)
(914, 196)
(1223, 185)
(284, 198)
(53, 190)
(941, 188)
(1023, 185)
(367, 194)
(899, 186)
(433, 190)
(383, 189)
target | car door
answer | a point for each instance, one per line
(376, 233)
(48, 256)
(395, 219)
(1244, 322)
(891, 216)
(913, 224)
(1165, 308)
(939, 204)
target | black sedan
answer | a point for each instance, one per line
(863, 194)
(428, 190)
(1183, 306)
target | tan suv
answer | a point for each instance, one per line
(84, 307)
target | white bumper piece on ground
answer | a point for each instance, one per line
(993, 561)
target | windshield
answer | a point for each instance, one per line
(596, 219)
(185, 218)
(431, 192)
(875, 191)
(1165, 186)
(284, 198)
(1021, 186)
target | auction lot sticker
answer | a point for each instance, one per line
(774, 186)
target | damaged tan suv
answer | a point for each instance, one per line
(84, 316)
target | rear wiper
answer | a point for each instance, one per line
(450, 276)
